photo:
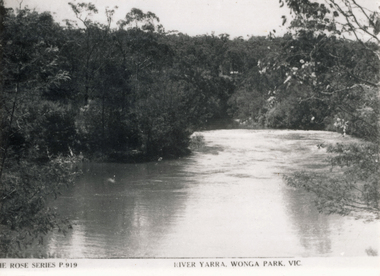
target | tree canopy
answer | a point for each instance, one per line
(133, 93)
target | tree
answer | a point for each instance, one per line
(137, 19)
(334, 55)
(200, 63)
(33, 170)
(254, 83)
(333, 66)
(131, 88)
(353, 192)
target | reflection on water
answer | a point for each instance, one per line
(226, 200)
(123, 218)
(313, 229)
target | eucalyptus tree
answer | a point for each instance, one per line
(137, 19)
(254, 83)
(202, 64)
(89, 52)
(33, 169)
(342, 73)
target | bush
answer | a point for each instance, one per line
(27, 187)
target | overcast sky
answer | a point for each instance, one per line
(193, 17)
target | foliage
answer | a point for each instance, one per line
(352, 185)
(201, 63)
(26, 191)
(252, 98)
(144, 90)
(343, 75)
(314, 75)
(321, 16)
(33, 170)
(197, 141)
(136, 92)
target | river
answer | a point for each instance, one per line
(227, 199)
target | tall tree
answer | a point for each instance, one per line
(343, 74)
(33, 169)
(334, 64)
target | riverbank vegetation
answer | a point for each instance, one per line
(136, 92)
(339, 80)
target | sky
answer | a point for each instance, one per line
(193, 17)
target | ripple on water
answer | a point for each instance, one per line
(227, 199)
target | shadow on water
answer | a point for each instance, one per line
(322, 234)
(210, 149)
(225, 199)
(120, 218)
(313, 229)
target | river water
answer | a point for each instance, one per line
(227, 199)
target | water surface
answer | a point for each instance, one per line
(227, 199)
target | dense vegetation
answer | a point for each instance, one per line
(137, 93)
(339, 80)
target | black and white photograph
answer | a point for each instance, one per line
(189, 136)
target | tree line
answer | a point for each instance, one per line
(136, 92)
